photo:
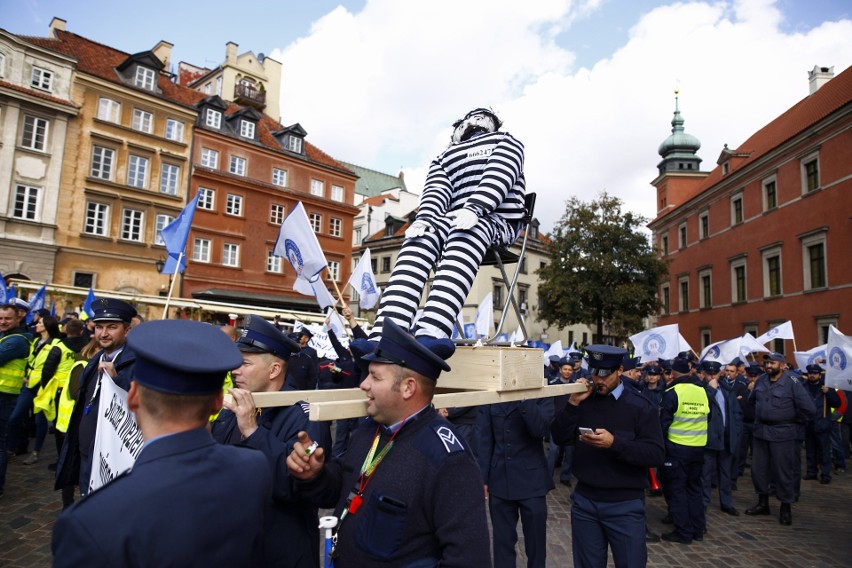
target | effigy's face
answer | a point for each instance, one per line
(472, 124)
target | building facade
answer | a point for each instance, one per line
(765, 236)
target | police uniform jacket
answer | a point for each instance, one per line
(168, 511)
(823, 403)
(724, 425)
(780, 407)
(293, 534)
(302, 370)
(618, 473)
(423, 504)
(512, 459)
(69, 467)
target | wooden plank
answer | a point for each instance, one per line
(494, 368)
(289, 398)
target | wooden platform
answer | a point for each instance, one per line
(479, 375)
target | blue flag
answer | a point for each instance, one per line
(4, 293)
(11, 293)
(53, 309)
(36, 302)
(87, 305)
(175, 235)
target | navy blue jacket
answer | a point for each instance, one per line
(823, 403)
(188, 501)
(780, 408)
(293, 534)
(725, 434)
(511, 448)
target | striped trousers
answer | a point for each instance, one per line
(455, 255)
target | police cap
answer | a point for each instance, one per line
(256, 335)
(604, 359)
(774, 357)
(653, 370)
(753, 370)
(111, 309)
(182, 356)
(712, 367)
(424, 355)
(629, 363)
(680, 365)
(814, 369)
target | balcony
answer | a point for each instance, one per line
(250, 96)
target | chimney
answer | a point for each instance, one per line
(819, 76)
(163, 51)
(57, 24)
(401, 176)
(231, 53)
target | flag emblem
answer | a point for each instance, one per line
(367, 285)
(837, 359)
(654, 345)
(294, 255)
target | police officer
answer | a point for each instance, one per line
(617, 437)
(14, 350)
(167, 510)
(684, 416)
(265, 351)
(818, 430)
(565, 374)
(781, 404)
(632, 373)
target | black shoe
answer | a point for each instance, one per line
(809, 477)
(731, 511)
(824, 480)
(667, 520)
(674, 537)
(698, 538)
(762, 507)
(786, 516)
(651, 537)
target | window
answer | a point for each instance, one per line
(336, 193)
(316, 222)
(738, 281)
(206, 199)
(317, 188)
(208, 88)
(681, 234)
(109, 110)
(213, 118)
(497, 295)
(174, 130)
(523, 268)
(238, 166)
(41, 78)
(246, 129)
(751, 329)
(777, 344)
(704, 225)
(209, 158)
(160, 223)
(295, 144)
(131, 224)
(706, 298)
(523, 295)
(358, 236)
(810, 173)
(234, 204)
(273, 263)
(664, 244)
(683, 300)
(813, 261)
(737, 209)
(705, 338)
(169, 178)
(386, 264)
(83, 279)
(334, 227)
(145, 78)
(102, 160)
(219, 85)
(770, 194)
(772, 272)
(34, 134)
(142, 121)
(201, 250)
(137, 171)
(665, 299)
(2, 65)
(823, 325)
(26, 202)
(277, 213)
(373, 265)
(230, 254)
(279, 177)
(97, 219)
(334, 270)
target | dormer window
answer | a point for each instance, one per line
(213, 118)
(42, 78)
(145, 78)
(247, 129)
(294, 144)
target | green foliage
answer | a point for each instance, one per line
(602, 269)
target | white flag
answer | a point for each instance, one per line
(816, 356)
(838, 370)
(554, 349)
(364, 282)
(657, 343)
(517, 336)
(683, 344)
(722, 351)
(118, 439)
(335, 322)
(783, 331)
(298, 243)
(317, 289)
(485, 316)
(749, 344)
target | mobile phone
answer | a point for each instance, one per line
(584, 431)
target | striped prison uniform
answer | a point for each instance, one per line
(485, 175)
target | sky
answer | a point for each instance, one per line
(587, 85)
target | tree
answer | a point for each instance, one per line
(602, 269)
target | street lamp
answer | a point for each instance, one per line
(161, 263)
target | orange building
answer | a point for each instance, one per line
(765, 236)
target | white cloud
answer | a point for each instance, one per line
(380, 87)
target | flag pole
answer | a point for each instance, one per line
(339, 295)
(172, 286)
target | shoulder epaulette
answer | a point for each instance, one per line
(447, 437)
(306, 407)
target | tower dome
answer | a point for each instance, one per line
(679, 150)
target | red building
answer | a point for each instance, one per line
(764, 237)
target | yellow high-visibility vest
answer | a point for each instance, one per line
(45, 399)
(12, 372)
(689, 426)
(66, 401)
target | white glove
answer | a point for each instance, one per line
(463, 219)
(417, 229)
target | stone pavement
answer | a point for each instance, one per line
(819, 537)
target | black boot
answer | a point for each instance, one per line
(786, 516)
(762, 507)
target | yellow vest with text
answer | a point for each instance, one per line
(66, 401)
(12, 372)
(45, 399)
(36, 361)
(689, 423)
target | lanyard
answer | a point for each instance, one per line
(104, 358)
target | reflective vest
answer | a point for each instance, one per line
(66, 402)
(45, 399)
(689, 424)
(228, 384)
(35, 364)
(12, 372)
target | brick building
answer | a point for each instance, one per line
(765, 236)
